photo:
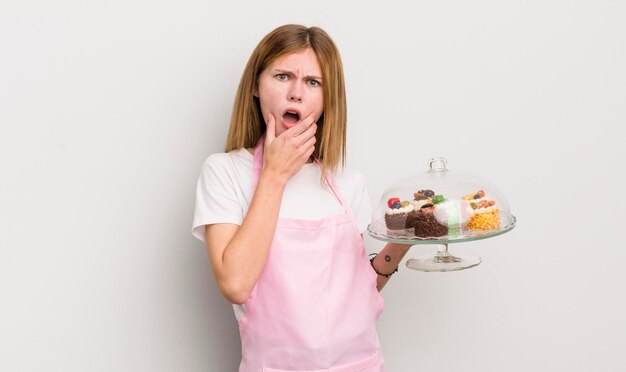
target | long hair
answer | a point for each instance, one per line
(247, 124)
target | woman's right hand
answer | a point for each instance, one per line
(238, 253)
(284, 155)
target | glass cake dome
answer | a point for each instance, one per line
(439, 206)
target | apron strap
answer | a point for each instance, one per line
(331, 183)
(257, 163)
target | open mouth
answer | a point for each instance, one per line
(291, 117)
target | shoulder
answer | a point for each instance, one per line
(352, 184)
(349, 178)
(219, 159)
(226, 161)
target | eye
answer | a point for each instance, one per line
(281, 77)
(314, 83)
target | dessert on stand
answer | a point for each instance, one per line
(441, 207)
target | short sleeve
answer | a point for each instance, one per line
(361, 204)
(216, 196)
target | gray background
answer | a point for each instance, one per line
(109, 108)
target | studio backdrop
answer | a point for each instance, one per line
(109, 108)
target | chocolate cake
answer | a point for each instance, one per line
(399, 221)
(426, 225)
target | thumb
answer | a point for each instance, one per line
(270, 134)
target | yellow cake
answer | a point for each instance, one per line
(484, 215)
(485, 219)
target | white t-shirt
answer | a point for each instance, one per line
(224, 193)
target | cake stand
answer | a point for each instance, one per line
(452, 199)
(443, 260)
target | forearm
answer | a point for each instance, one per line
(387, 260)
(244, 257)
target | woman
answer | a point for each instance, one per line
(283, 224)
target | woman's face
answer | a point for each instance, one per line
(291, 89)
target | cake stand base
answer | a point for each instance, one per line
(443, 261)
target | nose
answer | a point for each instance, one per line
(295, 93)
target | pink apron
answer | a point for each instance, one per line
(315, 306)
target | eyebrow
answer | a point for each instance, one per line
(287, 72)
